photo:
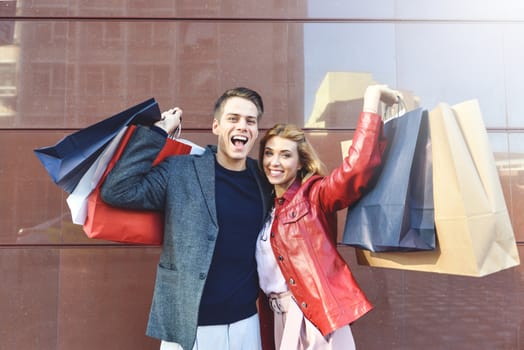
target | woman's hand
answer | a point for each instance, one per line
(379, 93)
(170, 121)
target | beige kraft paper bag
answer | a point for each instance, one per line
(474, 232)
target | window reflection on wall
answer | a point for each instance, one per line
(338, 100)
(8, 60)
(7, 83)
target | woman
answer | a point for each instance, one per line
(310, 288)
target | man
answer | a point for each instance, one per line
(206, 284)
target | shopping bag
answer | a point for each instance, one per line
(126, 225)
(474, 232)
(397, 213)
(68, 160)
(77, 200)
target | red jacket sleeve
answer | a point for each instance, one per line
(347, 183)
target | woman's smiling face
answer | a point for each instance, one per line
(281, 163)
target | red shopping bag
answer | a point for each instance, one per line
(126, 225)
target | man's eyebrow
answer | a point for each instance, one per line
(240, 115)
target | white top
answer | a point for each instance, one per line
(270, 277)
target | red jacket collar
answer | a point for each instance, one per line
(290, 193)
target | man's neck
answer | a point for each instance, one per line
(231, 164)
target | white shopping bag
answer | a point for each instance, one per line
(77, 200)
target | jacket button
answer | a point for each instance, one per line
(291, 281)
(281, 258)
(304, 305)
(272, 235)
(293, 214)
(202, 276)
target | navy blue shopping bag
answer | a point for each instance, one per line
(68, 160)
(397, 214)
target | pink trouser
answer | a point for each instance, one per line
(294, 331)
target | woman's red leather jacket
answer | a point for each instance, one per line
(305, 228)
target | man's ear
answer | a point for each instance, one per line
(215, 126)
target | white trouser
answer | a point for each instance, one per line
(240, 335)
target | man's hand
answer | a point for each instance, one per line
(170, 121)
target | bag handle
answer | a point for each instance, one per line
(401, 109)
(176, 133)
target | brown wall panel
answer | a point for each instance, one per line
(34, 209)
(284, 9)
(327, 143)
(104, 298)
(419, 310)
(68, 74)
(29, 298)
(155, 8)
(92, 298)
(99, 298)
(29, 197)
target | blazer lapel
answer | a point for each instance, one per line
(205, 172)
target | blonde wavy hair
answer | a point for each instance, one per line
(308, 157)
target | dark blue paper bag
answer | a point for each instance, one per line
(397, 214)
(72, 156)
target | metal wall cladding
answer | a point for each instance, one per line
(67, 64)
